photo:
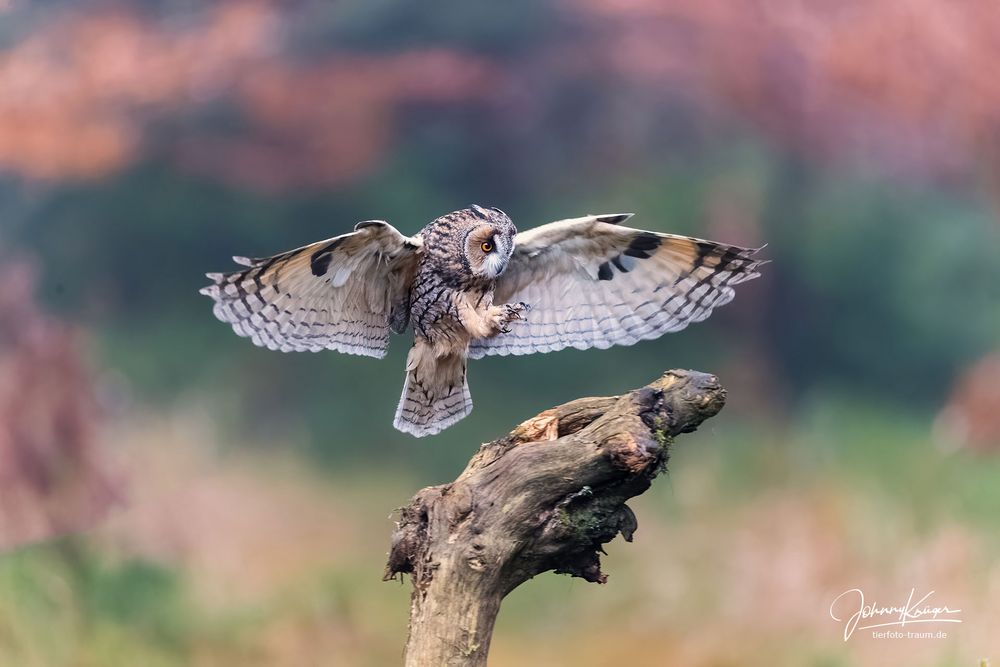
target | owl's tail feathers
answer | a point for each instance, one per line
(436, 393)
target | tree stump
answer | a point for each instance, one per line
(544, 497)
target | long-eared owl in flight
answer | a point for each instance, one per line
(471, 285)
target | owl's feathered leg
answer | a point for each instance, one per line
(436, 393)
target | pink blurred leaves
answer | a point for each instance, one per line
(909, 84)
(79, 94)
(52, 479)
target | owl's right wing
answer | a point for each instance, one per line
(591, 282)
(336, 294)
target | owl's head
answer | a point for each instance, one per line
(487, 237)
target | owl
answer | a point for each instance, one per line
(470, 285)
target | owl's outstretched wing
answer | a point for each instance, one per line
(336, 294)
(592, 283)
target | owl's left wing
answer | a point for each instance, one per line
(590, 282)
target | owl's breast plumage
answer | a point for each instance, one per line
(434, 301)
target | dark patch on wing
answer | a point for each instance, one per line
(604, 272)
(617, 261)
(643, 245)
(319, 263)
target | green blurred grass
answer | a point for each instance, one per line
(872, 478)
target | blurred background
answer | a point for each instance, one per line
(172, 495)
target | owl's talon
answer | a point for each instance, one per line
(515, 311)
(506, 314)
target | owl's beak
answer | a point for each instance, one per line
(495, 265)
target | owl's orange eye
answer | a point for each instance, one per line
(487, 246)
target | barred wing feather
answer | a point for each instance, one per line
(335, 294)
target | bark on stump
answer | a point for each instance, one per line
(544, 497)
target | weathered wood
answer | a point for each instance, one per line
(544, 497)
